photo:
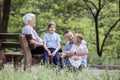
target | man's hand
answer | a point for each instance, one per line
(33, 44)
(71, 54)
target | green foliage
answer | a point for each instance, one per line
(73, 15)
(93, 59)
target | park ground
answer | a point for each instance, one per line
(41, 72)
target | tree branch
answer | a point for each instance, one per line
(108, 34)
(93, 5)
(100, 7)
(103, 4)
(89, 8)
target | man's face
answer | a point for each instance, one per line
(69, 36)
(32, 22)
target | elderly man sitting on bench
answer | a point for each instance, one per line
(30, 23)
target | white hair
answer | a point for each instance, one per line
(27, 17)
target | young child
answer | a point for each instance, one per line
(76, 60)
(52, 45)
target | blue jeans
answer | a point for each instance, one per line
(55, 59)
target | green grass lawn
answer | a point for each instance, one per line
(51, 73)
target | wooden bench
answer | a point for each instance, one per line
(20, 42)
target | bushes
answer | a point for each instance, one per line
(94, 59)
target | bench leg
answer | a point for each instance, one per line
(36, 59)
(2, 58)
(27, 66)
(27, 63)
(17, 61)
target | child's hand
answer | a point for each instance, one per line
(49, 53)
(53, 54)
(76, 58)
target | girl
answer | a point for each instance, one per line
(76, 60)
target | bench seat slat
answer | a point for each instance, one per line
(14, 53)
(11, 44)
(37, 55)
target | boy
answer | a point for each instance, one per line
(51, 42)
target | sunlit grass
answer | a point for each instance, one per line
(49, 73)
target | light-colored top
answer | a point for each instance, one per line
(77, 63)
(29, 30)
(51, 40)
(68, 47)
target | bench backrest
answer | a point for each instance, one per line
(16, 40)
(12, 40)
(9, 40)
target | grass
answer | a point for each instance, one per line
(95, 59)
(44, 73)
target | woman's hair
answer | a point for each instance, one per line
(27, 17)
(50, 24)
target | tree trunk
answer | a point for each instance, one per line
(5, 16)
(97, 35)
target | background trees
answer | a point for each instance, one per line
(95, 10)
(4, 14)
(74, 15)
